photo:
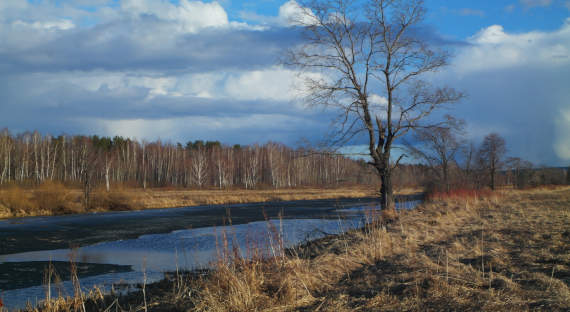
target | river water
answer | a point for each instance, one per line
(121, 247)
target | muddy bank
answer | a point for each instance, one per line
(15, 275)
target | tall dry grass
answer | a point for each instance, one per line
(118, 199)
(49, 198)
(506, 251)
(55, 198)
(52, 198)
(15, 201)
(454, 253)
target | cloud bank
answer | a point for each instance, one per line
(153, 69)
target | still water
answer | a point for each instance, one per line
(116, 248)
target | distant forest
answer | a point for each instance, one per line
(31, 158)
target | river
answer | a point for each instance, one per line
(118, 248)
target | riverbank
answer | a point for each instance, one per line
(502, 252)
(55, 199)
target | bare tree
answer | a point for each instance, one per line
(520, 171)
(491, 154)
(368, 62)
(438, 146)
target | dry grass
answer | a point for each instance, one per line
(50, 198)
(14, 201)
(55, 199)
(161, 198)
(506, 251)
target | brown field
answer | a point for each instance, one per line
(506, 251)
(54, 199)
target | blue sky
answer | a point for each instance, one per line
(185, 70)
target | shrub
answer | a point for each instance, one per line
(117, 200)
(459, 193)
(53, 197)
(17, 201)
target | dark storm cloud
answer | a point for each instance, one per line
(65, 100)
(148, 43)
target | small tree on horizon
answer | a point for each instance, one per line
(491, 154)
(438, 147)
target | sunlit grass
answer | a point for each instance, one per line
(505, 251)
(53, 198)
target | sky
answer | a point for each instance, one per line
(184, 70)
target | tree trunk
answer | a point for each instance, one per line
(107, 168)
(493, 179)
(386, 192)
(386, 189)
(446, 176)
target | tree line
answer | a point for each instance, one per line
(32, 158)
(453, 162)
(444, 161)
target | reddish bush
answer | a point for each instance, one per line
(460, 194)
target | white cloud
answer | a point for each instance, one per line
(207, 85)
(190, 16)
(291, 13)
(120, 83)
(567, 4)
(492, 47)
(48, 25)
(377, 100)
(492, 34)
(268, 84)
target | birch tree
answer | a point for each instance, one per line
(199, 166)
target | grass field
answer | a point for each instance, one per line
(503, 251)
(55, 199)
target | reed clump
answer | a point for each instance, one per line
(15, 201)
(49, 198)
(118, 199)
(55, 198)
